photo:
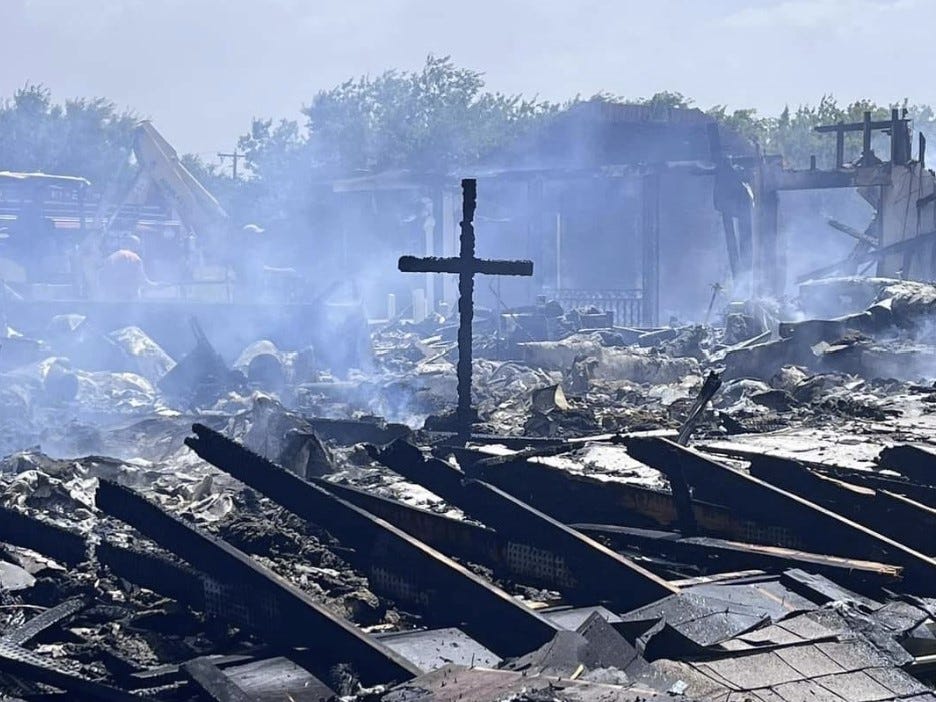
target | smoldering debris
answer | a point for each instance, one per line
(261, 525)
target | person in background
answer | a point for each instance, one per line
(122, 276)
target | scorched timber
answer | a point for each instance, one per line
(821, 529)
(722, 555)
(894, 516)
(599, 571)
(283, 613)
(392, 558)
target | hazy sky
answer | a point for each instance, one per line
(201, 69)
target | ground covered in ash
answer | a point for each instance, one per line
(831, 391)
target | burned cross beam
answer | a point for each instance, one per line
(820, 529)
(283, 613)
(466, 265)
(390, 557)
(600, 572)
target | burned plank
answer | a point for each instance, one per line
(283, 613)
(914, 462)
(821, 529)
(213, 682)
(154, 572)
(581, 499)
(893, 516)
(394, 560)
(924, 494)
(470, 542)
(22, 530)
(716, 555)
(32, 666)
(45, 620)
(598, 570)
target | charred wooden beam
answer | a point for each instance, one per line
(395, 561)
(924, 494)
(20, 529)
(598, 570)
(581, 499)
(461, 539)
(154, 572)
(523, 562)
(45, 620)
(283, 613)
(25, 664)
(914, 462)
(717, 555)
(896, 517)
(213, 682)
(819, 528)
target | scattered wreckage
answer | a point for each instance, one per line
(740, 512)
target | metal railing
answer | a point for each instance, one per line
(625, 305)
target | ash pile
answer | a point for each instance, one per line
(737, 511)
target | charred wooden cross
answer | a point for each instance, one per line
(466, 266)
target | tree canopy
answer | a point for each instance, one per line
(89, 137)
(439, 117)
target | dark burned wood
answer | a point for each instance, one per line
(819, 528)
(717, 555)
(154, 572)
(909, 523)
(598, 571)
(579, 498)
(51, 540)
(25, 664)
(283, 613)
(924, 494)
(213, 682)
(914, 462)
(395, 562)
(46, 620)
(466, 265)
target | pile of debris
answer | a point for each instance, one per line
(259, 529)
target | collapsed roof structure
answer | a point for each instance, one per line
(740, 509)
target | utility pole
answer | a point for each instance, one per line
(234, 156)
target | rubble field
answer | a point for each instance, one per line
(743, 511)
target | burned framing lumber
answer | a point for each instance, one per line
(599, 571)
(717, 555)
(914, 462)
(894, 516)
(25, 664)
(822, 530)
(22, 530)
(45, 620)
(283, 613)
(212, 680)
(391, 558)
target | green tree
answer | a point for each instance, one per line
(84, 137)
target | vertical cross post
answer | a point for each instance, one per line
(466, 266)
(466, 252)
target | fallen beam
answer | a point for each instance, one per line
(213, 682)
(596, 569)
(914, 462)
(470, 542)
(45, 620)
(818, 528)
(717, 555)
(393, 560)
(896, 517)
(924, 494)
(25, 664)
(20, 529)
(575, 499)
(280, 611)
